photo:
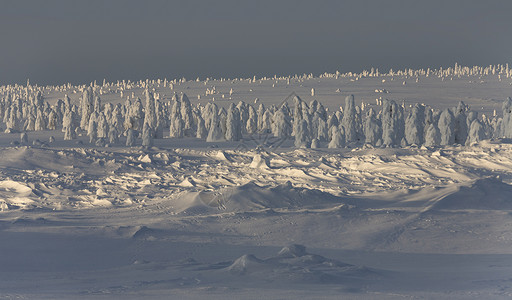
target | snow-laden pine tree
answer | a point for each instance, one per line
(414, 125)
(461, 128)
(297, 113)
(337, 134)
(266, 122)
(252, 121)
(261, 110)
(92, 130)
(476, 133)
(86, 107)
(332, 121)
(390, 123)
(372, 128)
(186, 116)
(302, 135)
(147, 136)
(176, 129)
(130, 137)
(281, 126)
(102, 125)
(233, 124)
(40, 123)
(215, 133)
(150, 112)
(349, 122)
(52, 120)
(432, 136)
(446, 125)
(244, 115)
(113, 135)
(97, 104)
(201, 132)
(322, 132)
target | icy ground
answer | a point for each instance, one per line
(188, 219)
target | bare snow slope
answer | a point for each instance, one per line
(177, 223)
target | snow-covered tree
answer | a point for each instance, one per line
(349, 122)
(281, 124)
(337, 137)
(432, 136)
(414, 125)
(302, 135)
(147, 136)
(86, 107)
(372, 128)
(446, 125)
(461, 128)
(130, 137)
(233, 124)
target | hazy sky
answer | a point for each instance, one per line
(58, 41)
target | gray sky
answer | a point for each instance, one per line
(59, 41)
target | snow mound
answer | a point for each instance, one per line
(15, 195)
(294, 250)
(259, 162)
(294, 264)
(251, 197)
(245, 262)
(484, 194)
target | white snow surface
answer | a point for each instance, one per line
(259, 218)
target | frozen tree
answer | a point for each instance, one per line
(244, 115)
(113, 135)
(86, 107)
(302, 135)
(461, 127)
(70, 133)
(414, 125)
(252, 122)
(390, 123)
(52, 120)
(150, 113)
(297, 113)
(186, 115)
(446, 126)
(40, 123)
(92, 130)
(372, 128)
(233, 124)
(337, 137)
(281, 126)
(349, 122)
(476, 132)
(130, 137)
(260, 112)
(332, 121)
(177, 127)
(30, 122)
(322, 132)
(102, 126)
(266, 122)
(215, 133)
(97, 104)
(432, 136)
(201, 132)
(147, 136)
